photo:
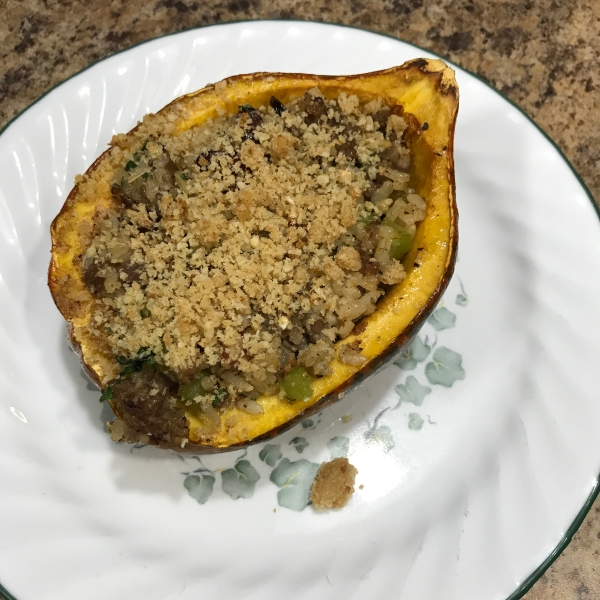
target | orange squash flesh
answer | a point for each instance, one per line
(428, 91)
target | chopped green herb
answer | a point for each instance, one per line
(184, 176)
(143, 148)
(219, 397)
(130, 165)
(145, 175)
(107, 394)
(133, 365)
(122, 360)
(245, 108)
(145, 313)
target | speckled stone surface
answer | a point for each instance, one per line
(542, 54)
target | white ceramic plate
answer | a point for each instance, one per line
(476, 452)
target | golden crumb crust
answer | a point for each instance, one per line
(334, 484)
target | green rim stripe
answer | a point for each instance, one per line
(537, 573)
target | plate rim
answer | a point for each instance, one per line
(536, 574)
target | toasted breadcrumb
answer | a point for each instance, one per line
(248, 245)
(334, 484)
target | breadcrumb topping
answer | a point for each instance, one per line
(334, 484)
(246, 246)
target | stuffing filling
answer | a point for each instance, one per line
(243, 249)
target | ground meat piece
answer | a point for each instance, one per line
(315, 329)
(135, 191)
(93, 280)
(143, 401)
(203, 161)
(350, 128)
(370, 189)
(393, 158)
(255, 118)
(348, 150)
(133, 271)
(313, 106)
(380, 118)
(117, 191)
(390, 156)
(370, 238)
(250, 116)
(368, 265)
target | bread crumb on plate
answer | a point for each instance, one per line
(334, 484)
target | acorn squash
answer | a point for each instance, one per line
(427, 91)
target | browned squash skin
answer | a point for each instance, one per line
(428, 91)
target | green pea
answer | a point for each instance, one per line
(401, 245)
(296, 384)
(194, 388)
(190, 390)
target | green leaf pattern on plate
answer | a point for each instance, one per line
(382, 436)
(416, 352)
(339, 446)
(299, 443)
(270, 454)
(415, 421)
(462, 299)
(445, 368)
(442, 319)
(295, 480)
(239, 482)
(412, 391)
(199, 486)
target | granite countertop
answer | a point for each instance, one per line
(541, 54)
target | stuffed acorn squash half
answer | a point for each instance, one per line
(245, 256)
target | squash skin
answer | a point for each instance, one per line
(428, 92)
